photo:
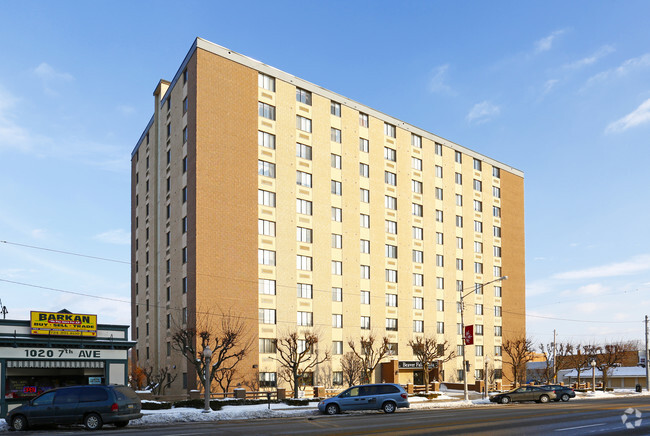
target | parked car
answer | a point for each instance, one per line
(563, 393)
(92, 406)
(386, 396)
(525, 393)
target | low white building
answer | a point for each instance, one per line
(617, 378)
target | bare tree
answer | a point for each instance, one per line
(576, 358)
(229, 345)
(369, 354)
(298, 354)
(352, 368)
(609, 356)
(554, 361)
(520, 352)
(427, 351)
(158, 381)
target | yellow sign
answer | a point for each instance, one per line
(63, 324)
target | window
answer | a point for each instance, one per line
(390, 154)
(477, 165)
(337, 214)
(497, 291)
(438, 149)
(478, 247)
(184, 82)
(365, 271)
(169, 131)
(391, 300)
(458, 177)
(364, 170)
(418, 233)
(418, 303)
(458, 157)
(478, 330)
(184, 254)
(497, 352)
(303, 179)
(184, 226)
(365, 246)
(497, 252)
(337, 348)
(266, 257)
(479, 350)
(416, 163)
(496, 172)
(496, 231)
(418, 279)
(337, 294)
(304, 290)
(418, 256)
(335, 109)
(335, 161)
(478, 268)
(303, 207)
(459, 285)
(459, 264)
(303, 124)
(478, 289)
(335, 135)
(365, 297)
(304, 234)
(440, 327)
(365, 221)
(337, 267)
(184, 135)
(478, 206)
(440, 305)
(267, 380)
(496, 192)
(478, 309)
(337, 241)
(391, 324)
(391, 276)
(496, 211)
(440, 283)
(417, 209)
(267, 345)
(439, 217)
(303, 151)
(264, 227)
(266, 82)
(459, 200)
(416, 186)
(184, 285)
(391, 227)
(497, 310)
(305, 319)
(365, 323)
(267, 316)
(337, 321)
(364, 145)
(266, 287)
(390, 178)
(478, 226)
(438, 193)
(392, 349)
(265, 168)
(440, 260)
(478, 185)
(363, 120)
(303, 263)
(336, 187)
(266, 110)
(440, 238)
(416, 141)
(303, 96)
(418, 326)
(365, 195)
(389, 130)
(439, 171)
(497, 330)
(265, 198)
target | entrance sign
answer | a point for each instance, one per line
(469, 334)
(63, 324)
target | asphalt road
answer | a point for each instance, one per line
(583, 417)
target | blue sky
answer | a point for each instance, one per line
(559, 90)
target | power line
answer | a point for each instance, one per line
(65, 252)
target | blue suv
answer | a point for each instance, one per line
(385, 396)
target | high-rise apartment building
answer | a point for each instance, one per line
(354, 223)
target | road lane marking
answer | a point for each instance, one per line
(582, 426)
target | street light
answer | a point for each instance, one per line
(462, 328)
(485, 375)
(207, 354)
(593, 375)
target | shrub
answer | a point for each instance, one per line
(296, 402)
(155, 405)
(198, 404)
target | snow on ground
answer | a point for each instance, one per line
(446, 400)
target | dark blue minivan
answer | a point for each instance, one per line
(385, 396)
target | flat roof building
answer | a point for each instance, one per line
(258, 193)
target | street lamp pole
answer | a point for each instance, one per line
(485, 375)
(207, 355)
(462, 328)
(593, 375)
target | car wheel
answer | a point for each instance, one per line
(120, 424)
(505, 400)
(388, 407)
(332, 409)
(19, 423)
(565, 397)
(543, 399)
(93, 421)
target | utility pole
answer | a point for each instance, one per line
(554, 360)
(645, 353)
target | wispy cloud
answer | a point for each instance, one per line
(12, 135)
(590, 60)
(549, 85)
(116, 236)
(546, 43)
(437, 83)
(627, 67)
(634, 265)
(126, 110)
(640, 115)
(50, 78)
(483, 112)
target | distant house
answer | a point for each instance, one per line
(617, 378)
